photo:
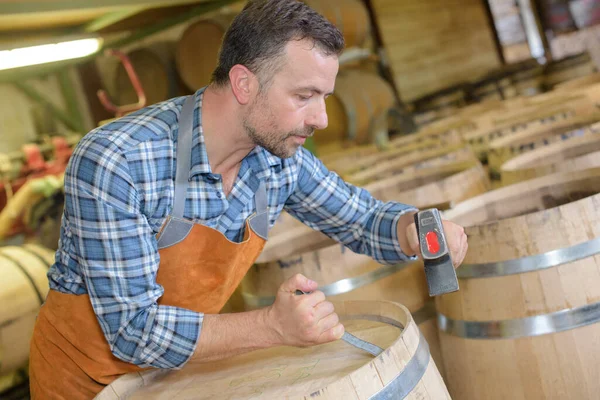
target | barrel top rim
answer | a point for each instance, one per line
(521, 188)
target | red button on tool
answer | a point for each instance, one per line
(433, 245)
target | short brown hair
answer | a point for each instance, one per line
(258, 35)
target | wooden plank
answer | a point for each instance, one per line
(435, 44)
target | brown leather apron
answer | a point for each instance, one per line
(199, 270)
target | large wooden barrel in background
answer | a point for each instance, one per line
(332, 371)
(526, 321)
(358, 110)
(23, 288)
(349, 16)
(156, 70)
(577, 153)
(198, 50)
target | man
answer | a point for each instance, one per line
(167, 208)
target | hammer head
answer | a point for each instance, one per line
(439, 270)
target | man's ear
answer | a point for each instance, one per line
(244, 84)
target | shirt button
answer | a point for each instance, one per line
(219, 195)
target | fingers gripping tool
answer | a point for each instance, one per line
(353, 340)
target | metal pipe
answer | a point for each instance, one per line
(538, 44)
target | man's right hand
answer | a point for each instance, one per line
(303, 320)
(291, 320)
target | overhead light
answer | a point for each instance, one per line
(47, 53)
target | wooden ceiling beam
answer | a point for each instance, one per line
(112, 18)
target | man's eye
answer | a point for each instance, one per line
(303, 98)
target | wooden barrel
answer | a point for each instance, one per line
(558, 129)
(525, 322)
(197, 50)
(349, 16)
(577, 153)
(155, 67)
(568, 68)
(335, 370)
(358, 109)
(344, 275)
(23, 288)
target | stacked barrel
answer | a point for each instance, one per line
(23, 289)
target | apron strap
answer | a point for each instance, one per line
(183, 156)
(260, 199)
(260, 222)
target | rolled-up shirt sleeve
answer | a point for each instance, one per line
(115, 250)
(346, 213)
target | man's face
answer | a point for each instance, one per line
(281, 117)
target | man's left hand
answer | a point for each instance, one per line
(456, 239)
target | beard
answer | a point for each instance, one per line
(272, 139)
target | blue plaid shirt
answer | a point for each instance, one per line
(119, 190)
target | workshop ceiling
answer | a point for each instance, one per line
(25, 21)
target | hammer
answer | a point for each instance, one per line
(439, 270)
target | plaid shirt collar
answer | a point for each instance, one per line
(260, 161)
